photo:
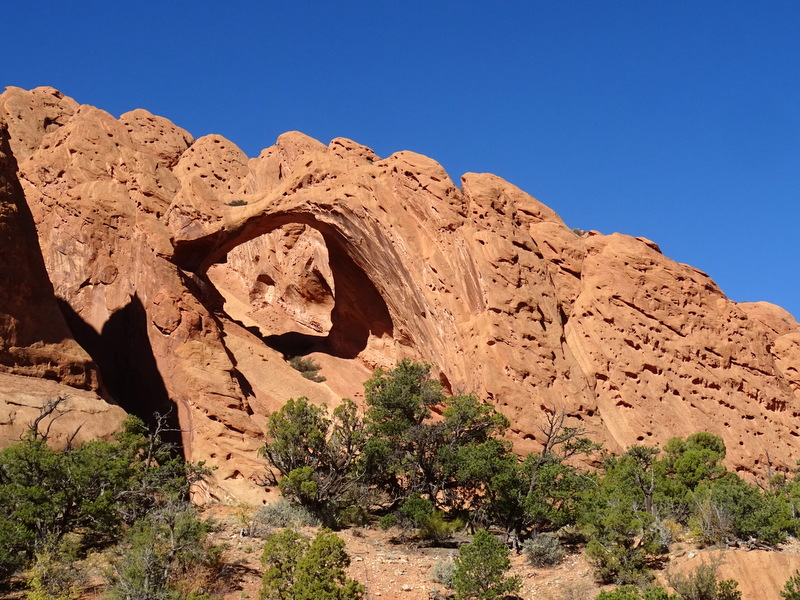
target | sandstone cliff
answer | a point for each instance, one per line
(185, 269)
(39, 357)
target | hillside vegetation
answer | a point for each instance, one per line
(426, 465)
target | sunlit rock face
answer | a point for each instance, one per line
(189, 272)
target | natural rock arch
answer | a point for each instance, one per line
(446, 275)
(359, 311)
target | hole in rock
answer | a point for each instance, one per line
(297, 288)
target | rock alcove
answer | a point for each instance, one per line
(294, 285)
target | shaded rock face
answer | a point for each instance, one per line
(39, 357)
(34, 338)
(187, 270)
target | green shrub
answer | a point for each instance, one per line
(622, 540)
(283, 513)
(791, 591)
(702, 584)
(353, 516)
(237, 203)
(386, 522)
(623, 537)
(92, 490)
(308, 368)
(429, 522)
(480, 570)
(729, 508)
(166, 556)
(618, 563)
(543, 550)
(301, 570)
(282, 551)
(54, 576)
(625, 592)
(16, 541)
(409, 453)
(315, 454)
(631, 592)
(696, 459)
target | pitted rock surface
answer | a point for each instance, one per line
(187, 270)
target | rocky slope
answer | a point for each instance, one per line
(185, 269)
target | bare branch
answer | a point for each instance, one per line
(71, 438)
(50, 407)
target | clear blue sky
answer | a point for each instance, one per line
(678, 121)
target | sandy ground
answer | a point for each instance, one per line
(391, 568)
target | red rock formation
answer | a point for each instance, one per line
(187, 267)
(34, 338)
(39, 358)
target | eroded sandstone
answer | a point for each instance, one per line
(187, 270)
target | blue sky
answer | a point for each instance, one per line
(678, 121)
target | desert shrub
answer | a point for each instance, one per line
(696, 459)
(93, 490)
(338, 464)
(542, 492)
(667, 532)
(386, 522)
(543, 550)
(247, 517)
(480, 569)
(442, 572)
(282, 551)
(307, 367)
(54, 575)
(618, 563)
(283, 513)
(617, 518)
(353, 516)
(166, 556)
(729, 508)
(408, 453)
(574, 590)
(791, 591)
(429, 522)
(237, 203)
(625, 592)
(657, 593)
(301, 570)
(711, 523)
(315, 453)
(622, 540)
(631, 592)
(16, 540)
(702, 584)
(437, 529)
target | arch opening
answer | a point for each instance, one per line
(296, 286)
